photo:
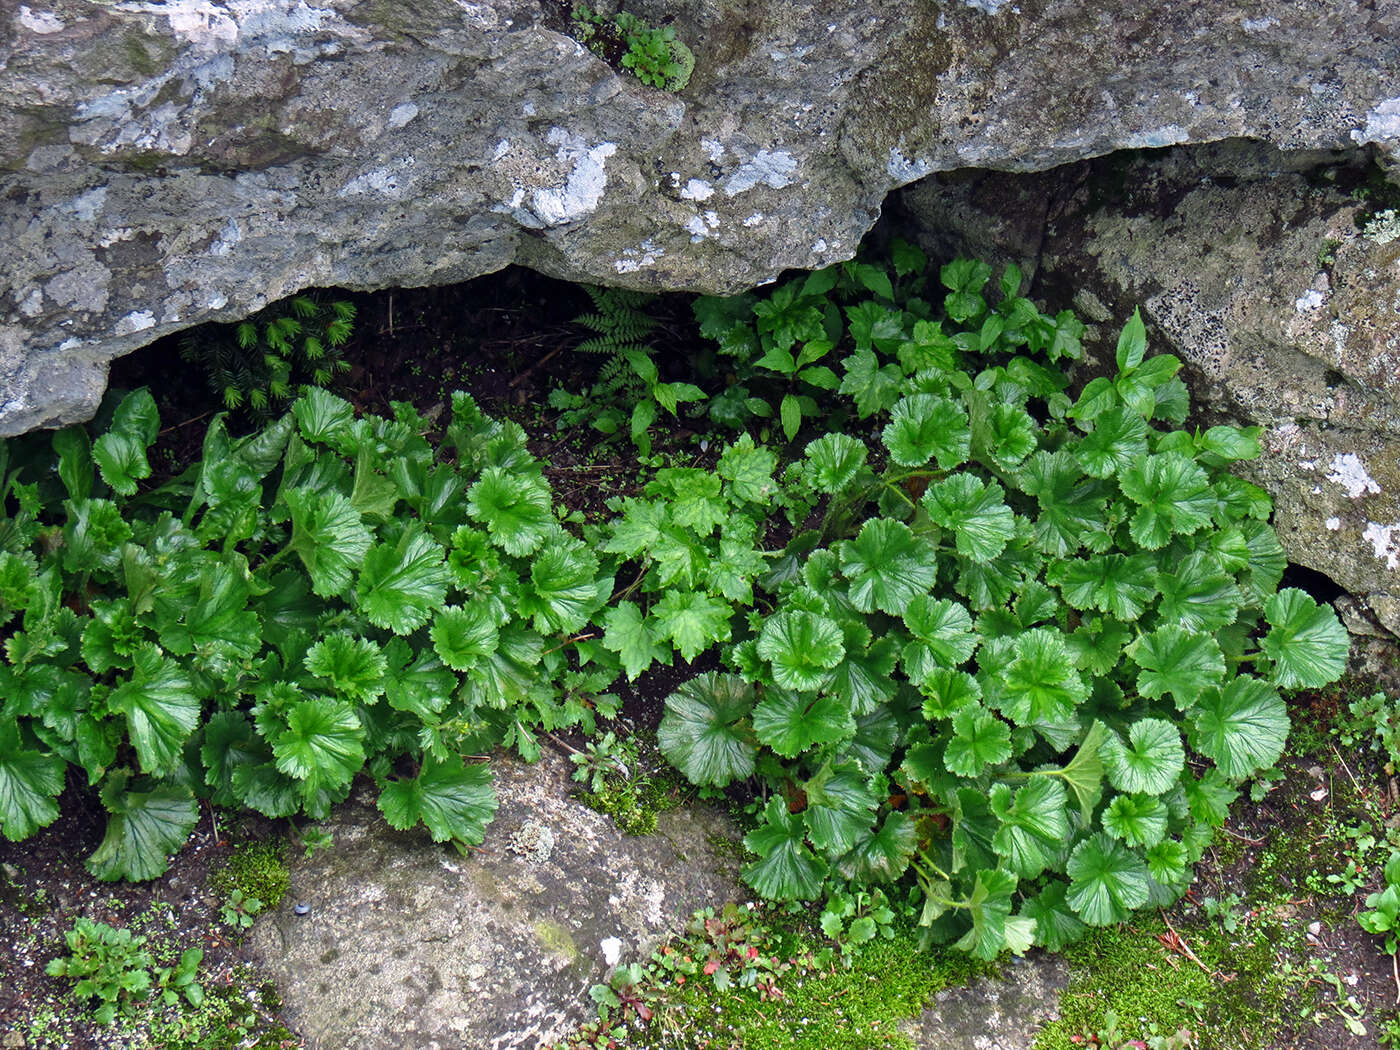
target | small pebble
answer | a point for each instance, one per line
(301, 909)
(1315, 928)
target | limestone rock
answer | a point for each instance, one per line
(994, 1014)
(1251, 267)
(168, 163)
(407, 945)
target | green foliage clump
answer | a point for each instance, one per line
(322, 598)
(628, 391)
(262, 362)
(999, 626)
(113, 966)
(653, 54)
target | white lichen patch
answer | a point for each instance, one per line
(533, 841)
(1333, 524)
(40, 22)
(714, 149)
(136, 321)
(612, 950)
(772, 168)
(402, 114)
(1383, 228)
(1349, 472)
(587, 180)
(633, 259)
(1385, 539)
(1382, 123)
(753, 220)
(697, 190)
(1309, 300)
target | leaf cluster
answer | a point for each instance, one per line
(113, 966)
(262, 362)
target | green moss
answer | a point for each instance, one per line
(256, 868)
(556, 940)
(1236, 997)
(860, 1008)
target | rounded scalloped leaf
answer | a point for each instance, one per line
(705, 731)
(1241, 728)
(802, 647)
(1306, 643)
(924, 427)
(833, 461)
(1107, 880)
(1150, 762)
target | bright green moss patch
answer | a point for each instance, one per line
(258, 870)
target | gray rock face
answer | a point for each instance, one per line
(1251, 267)
(168, 163)
(409, 946)
(1000, 1014)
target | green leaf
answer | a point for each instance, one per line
(1177, 661)
(161, 708)
(1174, 497)
(322, 745)
(693, 498)
(693, 621)
(749, 471)
(1056, 925)
(328, 536)
(74, 461)
(629, 634)
(1241, 728)
(1071, 507)
(142, 829)
(1113, 583)
(980, 739)
(786, 868)
(30, 783)
(1132, 343)
(1197, 593)
(563, 591)
(402, 584)
(881, 855)
(1107, 881)
(833, 462)
(1306, 644)
(515, 508)
(1083, 774)
(1034, 827)
(943, 632)
(790, 414)
(946, 692)
(416, 682)
(872, 386)
(924, 427)
(791, 723)
(1138, 820)
(1150, 762)
(705, 730)
(454, 801)
(888, 566)
(323, 417)
(989, 906)
(465, 636)
(802, 647)
(840, 806)
(981, 522)
(1118, 440)
(1040, 684)
(217, 627)
(354, 667)
(230, 741)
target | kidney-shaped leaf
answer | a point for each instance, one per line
(454, 800)
(1306, 642)
(1242, 728)
(786, 869)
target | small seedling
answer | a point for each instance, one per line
(240, 910)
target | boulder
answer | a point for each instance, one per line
(168, 163)
(1274, 276)
(388, 941)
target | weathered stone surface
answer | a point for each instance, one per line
(167, 163)
(1001, 1014)
(410, 946)
(1250, 266)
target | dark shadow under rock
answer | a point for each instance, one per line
(409, 945)
(1001, 1013)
